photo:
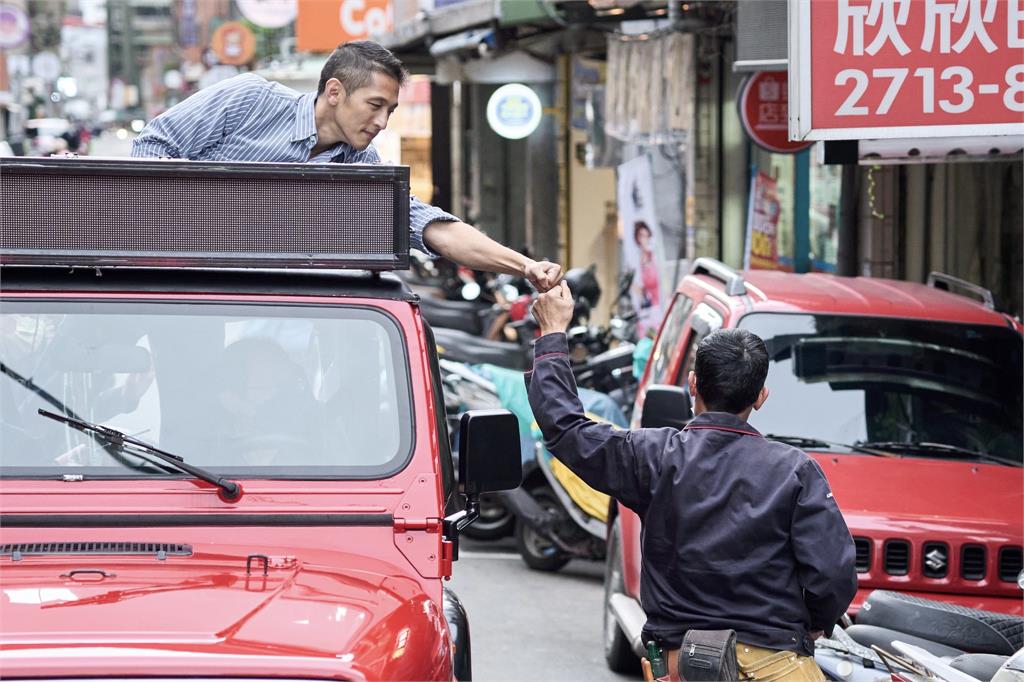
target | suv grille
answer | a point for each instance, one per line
(1011, 562)
(935, 559)
(862, 547)
(972, 562)
(79, 548)
(897, 557)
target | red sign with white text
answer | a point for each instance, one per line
(907, 68)
(764, 112)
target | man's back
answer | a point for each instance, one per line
(718, 542)
(738, 532)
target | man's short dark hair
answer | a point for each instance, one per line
(731, 367)
(355, 63)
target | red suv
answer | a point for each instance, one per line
(223, 449)
(908, 396)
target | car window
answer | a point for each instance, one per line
(668, 340)
(704, 320)
(853, 379)
(254, 389)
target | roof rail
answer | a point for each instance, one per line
(733, 280)
(940, 280)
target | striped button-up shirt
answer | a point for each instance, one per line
(248, 118)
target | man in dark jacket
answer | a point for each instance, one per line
(739, 532)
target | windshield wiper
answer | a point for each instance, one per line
(925, 446)
(38, 390)
(127, 444)
(805, 442)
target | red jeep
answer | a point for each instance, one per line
(224, 450)
(908, 395)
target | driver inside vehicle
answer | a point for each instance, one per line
(266, 403)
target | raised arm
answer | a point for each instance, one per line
(620, 463)
(202, 120)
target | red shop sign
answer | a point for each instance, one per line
(763, 105)
(866, 69)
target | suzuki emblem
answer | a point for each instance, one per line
(935, 559)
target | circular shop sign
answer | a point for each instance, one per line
(514, 111)
(233, 43)
(764, 111)
(14, 26)
(269, 13)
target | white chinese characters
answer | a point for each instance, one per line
(867, 26)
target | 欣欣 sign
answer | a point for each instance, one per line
(514, 111)
(763, 105)
(865, 69)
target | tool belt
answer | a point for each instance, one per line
(708, 655)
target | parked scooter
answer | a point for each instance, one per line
(558, 516)
(900, 637)
(466, 390)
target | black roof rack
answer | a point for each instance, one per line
(940, 280)
(733, 280)
(170, 213)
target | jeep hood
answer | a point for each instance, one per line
(206, 614)
(962, 497)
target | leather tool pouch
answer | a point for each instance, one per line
(708, 655)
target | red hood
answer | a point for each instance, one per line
(203, 614)
(983, 501)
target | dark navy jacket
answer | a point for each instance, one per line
(738, 532)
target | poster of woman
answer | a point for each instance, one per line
(641, 244)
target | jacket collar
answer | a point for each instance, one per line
(722, 421)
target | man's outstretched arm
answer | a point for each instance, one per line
(468, 246)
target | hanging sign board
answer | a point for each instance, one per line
(322, 25)
(764, 112)
(867, 69)
(762, 252)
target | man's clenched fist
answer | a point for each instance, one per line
(543, 274)
(553, 309)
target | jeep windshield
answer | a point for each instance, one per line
(902, 385)
(244, 390)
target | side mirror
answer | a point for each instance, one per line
(489, 455)
(489, 461)
(666, 406)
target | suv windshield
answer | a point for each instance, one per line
(254, 390)
(881, 380)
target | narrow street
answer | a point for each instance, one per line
(529, 625)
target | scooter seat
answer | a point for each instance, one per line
(467, 316)
(980, 666)
(872, 635)
(956, 626)
(462, 347)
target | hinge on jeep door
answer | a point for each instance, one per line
(429, 525)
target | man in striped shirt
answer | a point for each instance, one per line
(248, 118)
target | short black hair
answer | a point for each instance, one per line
(355, 63)
(731, 367)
